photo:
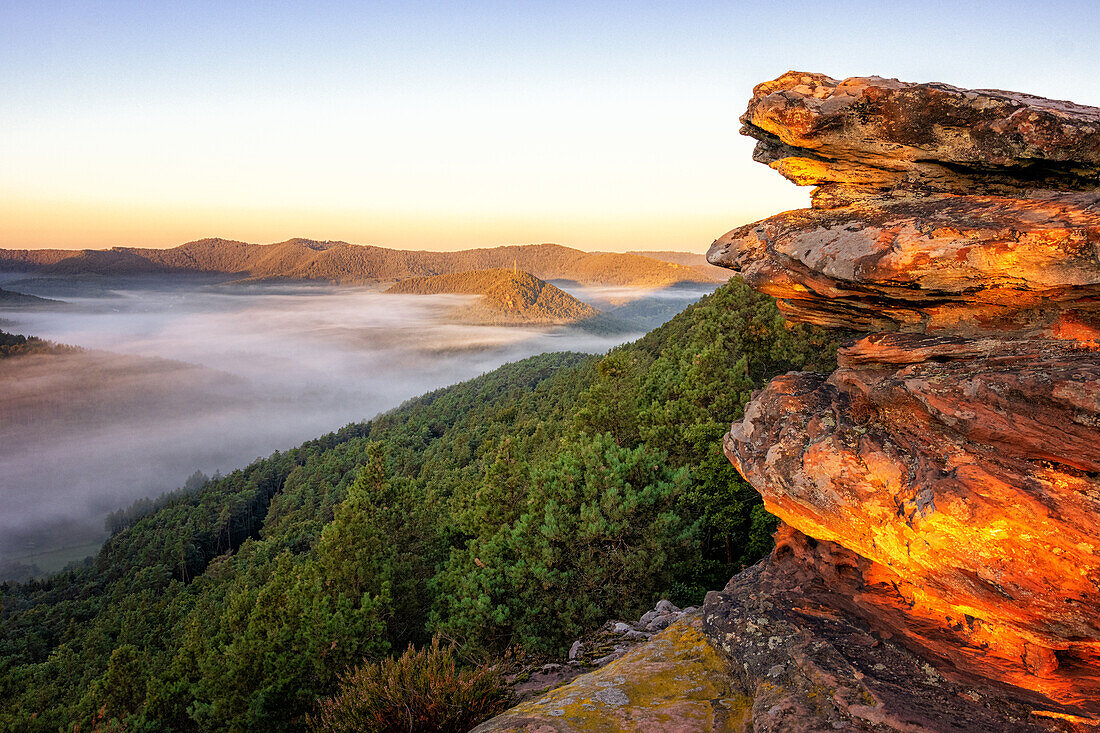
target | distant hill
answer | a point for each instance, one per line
(11, 298)
(340, 262)
(507, 296)
(695, 261)
(680, 258)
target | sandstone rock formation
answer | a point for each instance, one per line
(808, 659)
(867, 135)
(940, 490)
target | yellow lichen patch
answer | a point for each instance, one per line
(674, 682)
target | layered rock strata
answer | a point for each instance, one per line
(868, 135)
(808, 659)
(942, 488)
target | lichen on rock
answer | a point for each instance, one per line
(676, 681)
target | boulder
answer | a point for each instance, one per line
(675, 682)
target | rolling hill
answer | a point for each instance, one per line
(340, 262)
(507, 296)
(12, 299)
(696, 261)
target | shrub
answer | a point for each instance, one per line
(597, 537)
(421, 691)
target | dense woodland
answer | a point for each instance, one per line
(515, 512)
(13, 344)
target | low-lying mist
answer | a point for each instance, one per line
(177, 378)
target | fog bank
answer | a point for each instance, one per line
(184, 377)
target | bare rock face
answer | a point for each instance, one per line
(941, 489)
(810, 663)
(939, 263)
(967, 488)
(869, 135)
(937, 208)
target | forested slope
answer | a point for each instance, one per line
(519, 509)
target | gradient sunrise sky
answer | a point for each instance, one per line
(599, 125)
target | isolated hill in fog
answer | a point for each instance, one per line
(340, 262)
(507, 296)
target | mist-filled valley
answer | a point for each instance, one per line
(177, 375)
(512, 512)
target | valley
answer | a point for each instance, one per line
(143, 379)
(384, 368)
(515, 510)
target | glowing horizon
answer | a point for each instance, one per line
(602, 126)
(94, 226)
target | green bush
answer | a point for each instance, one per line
(597, 537)
(422, 691)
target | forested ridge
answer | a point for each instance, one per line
(514, 511)
(341, 262)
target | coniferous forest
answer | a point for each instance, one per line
(506, 515)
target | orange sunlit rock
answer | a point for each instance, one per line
(868, 135)
(943, 485)
(943, 263)
(964, 502)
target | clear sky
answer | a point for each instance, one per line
(443, 125)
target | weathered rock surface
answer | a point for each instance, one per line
(943, 263)
(809, 664)
(596, 649)
(938, 209)
(612, 641)
(674, 682)
(869, 135)
(941, 489)
(967, 486)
